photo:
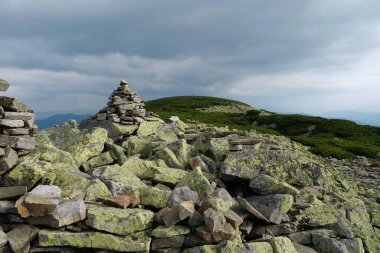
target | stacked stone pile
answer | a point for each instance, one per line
(124, 107)
(16, 130)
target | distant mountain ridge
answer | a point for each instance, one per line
(58, 119)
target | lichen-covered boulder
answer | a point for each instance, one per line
(265, 184)
(169, 157)
(113, 129)
(95, 240)
(48, 152)
(147, 128)
(70, 179)
(152, 196)
(196, 181)
(282, 244)
(202, 249)
(28, 172)
(280, 164)
(117, 220)
(118, 179)
(257, 247)
(137, 145)
(82, 145)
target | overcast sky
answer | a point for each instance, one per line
(284, 55)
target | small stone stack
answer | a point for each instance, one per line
(16, 129)
(124, 107)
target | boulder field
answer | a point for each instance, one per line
(165, 186)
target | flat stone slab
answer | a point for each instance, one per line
(4, 85)
(117, 220)
(13, 104)
(20, 142)
(12, 192)
(21, 236)
(19, 115)
(95, 240)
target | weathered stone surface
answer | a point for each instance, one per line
(214, 220)
(265, 184)
(20, 236)
(3, 239)
(181, 194)
(251, 209)
(113, 129)
(155, 197)
(148, 128)
(95, 240)
(202, 249)
(165, 232)
(304, 249)
(233, 218)
(169, 157)
(328, 245)
(99, 160)
(118, 221)
(43, 200)
(118, 179)
(226, 232)
(121, 201)
(282, 245)
(17, 131)
(66, 213)
(7, 206)
(9, 159)
(19, 115)
(13, 104)
(198, 162)
(196, 181)
(10, 123)
(171, 242)
(178, 213)
(272, 230)
(306, 237)
(273, 207)
(117, 151)
(20, 142)
(4, 85)
(220, 200)
(82, 145)
(257, 247)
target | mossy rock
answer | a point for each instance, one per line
(152, 196)
(28, 172)
(147, 128)
(282, 244)
(138, 242)
(196, 181)
(118, 221)
(165, 232)
(113, 129)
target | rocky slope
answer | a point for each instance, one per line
(166, 186)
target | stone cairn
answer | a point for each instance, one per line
(16, 130)
(124, 107)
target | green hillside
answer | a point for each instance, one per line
(327, 137)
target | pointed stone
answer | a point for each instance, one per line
(9, 159)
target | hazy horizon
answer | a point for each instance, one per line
(311, 57)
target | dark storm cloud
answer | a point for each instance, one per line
(266, 53)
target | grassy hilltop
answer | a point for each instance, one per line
(327, 137)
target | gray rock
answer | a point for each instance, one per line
(265, 184)
(13, 104)
(198, 162)
(9, 159)
(304, 249)
(233, 218)
(41, 201)
(273, 207)
(16, 131)
(328, 245)
(7, 206)
(214, 220)
(67, 213)
(12, 192)
(3, 239)
(19, 115)
(273, 230)
(181, 194)
(21, 236)
(10, 123)
(20, 142)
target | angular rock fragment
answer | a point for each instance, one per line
(3, 239)
(66, 213)
(7, 206)
(20, 142)
(328, 245)
(181, 194)
(178, 213)
(214, 220)
(13, 104)
(251, 209)
(256, 247)
(21, 236)
(196, 181)
(9, 159)
(10, 123)
(121, 201)
(12, 192)
(197, 162)
(233, 218)
(43, 200)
